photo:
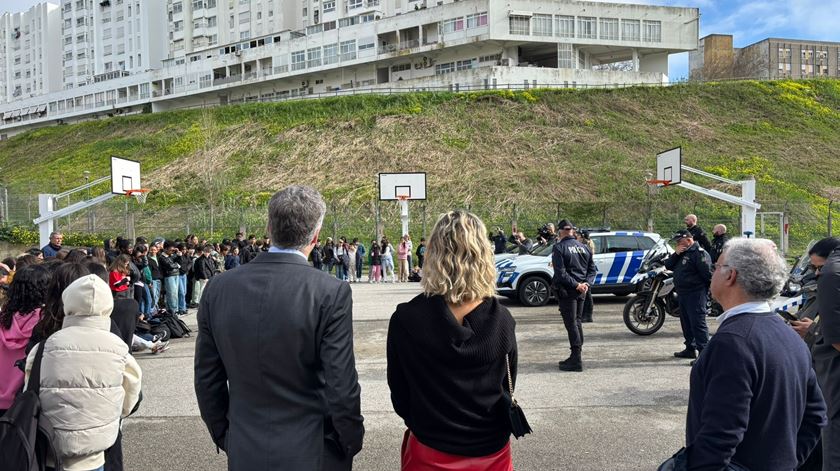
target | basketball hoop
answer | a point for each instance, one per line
(140, 194)
(655, 185)
(402, 198)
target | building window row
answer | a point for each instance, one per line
(585, 27)
(474, 20)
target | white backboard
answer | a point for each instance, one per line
(394, 185)
(125, 175)
(669, 166)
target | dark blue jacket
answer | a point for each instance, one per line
(754, 398)
(50, 250)
(692, 268)
(573, 264)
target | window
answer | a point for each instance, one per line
(245, 17)
(353, 20)
(542, 25)
(587, 27)
(784, 61)
(198, 4)
(652, 31)
(177, 7)
(211, 22)
(822, 62)
(178, 25)
(353, 4)
(329, 6)
(453, 24)
(565, 56)
(807, 63)
(366, 18)
(330, 53)
(564, 26)
(476, 20)
(370, 45)
(400, 67)
(630, 30)
(493, 58)
(616, 244)
(313, 57)
(520, 25)
(348, 50)
(446, 68)
(609, 29)
(645, 243)
(298, 60)
(210, 4)
(329, 25)
(465, 65)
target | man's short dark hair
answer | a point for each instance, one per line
(824, 247)
(168, 244)
(252, 237)
(295, 214)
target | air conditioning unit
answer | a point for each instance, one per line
(238, 53)
(304, 83)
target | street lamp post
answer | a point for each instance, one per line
(91, 215)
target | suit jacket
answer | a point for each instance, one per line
(275, 374)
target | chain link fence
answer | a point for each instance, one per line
(371, 219)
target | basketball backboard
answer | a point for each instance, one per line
(669, 166)
(125, 175)
(394, 186)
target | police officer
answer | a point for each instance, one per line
(697, 232)
(719, 239)
(574, 273)
(692, 267)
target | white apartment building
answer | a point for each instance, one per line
(199, 24)
(106, 39)
(29, 60)
(368, 45)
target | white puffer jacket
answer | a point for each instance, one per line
(88, 377)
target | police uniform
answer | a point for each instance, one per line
(692, 276)
(718, 241)
(573, 264)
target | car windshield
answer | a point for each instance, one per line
(543, 250)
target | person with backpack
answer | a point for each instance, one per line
(18, 318)
(88, 379)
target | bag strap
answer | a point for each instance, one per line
(510, 380)
(35, 374)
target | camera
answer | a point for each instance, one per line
(544, 232)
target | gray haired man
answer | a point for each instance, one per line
(753, 398)
(275, 375)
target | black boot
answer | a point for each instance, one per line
(687, 353)
(574, 362)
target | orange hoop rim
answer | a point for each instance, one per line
(136, 191)
(402, 198)
(659, 182)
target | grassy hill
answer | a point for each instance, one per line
(503, 154)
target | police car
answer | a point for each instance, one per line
(618, 255)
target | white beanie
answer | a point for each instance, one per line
(88, 296)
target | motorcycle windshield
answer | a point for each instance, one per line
(657, 252)
(803, 263)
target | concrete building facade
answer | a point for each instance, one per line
(106, 39)
(29, 59)
(397, 44)
(771, 58)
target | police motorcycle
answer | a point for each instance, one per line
(655, 297)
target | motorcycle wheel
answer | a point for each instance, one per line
(640, 323)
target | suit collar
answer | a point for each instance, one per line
(270, 257)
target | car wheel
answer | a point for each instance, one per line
(534, 291)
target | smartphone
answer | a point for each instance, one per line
(787, 316)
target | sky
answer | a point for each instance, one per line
(747, 20)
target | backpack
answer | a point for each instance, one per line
(25, 441)
(176, 327)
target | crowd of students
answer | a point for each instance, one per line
(348, 259)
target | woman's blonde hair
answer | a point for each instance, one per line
(459, 263)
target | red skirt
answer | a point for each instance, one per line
(418, 457)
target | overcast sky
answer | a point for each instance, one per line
(748, 20)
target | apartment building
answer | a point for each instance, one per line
(29, 60)
(348, 45)
(106, 39)
(771, 58)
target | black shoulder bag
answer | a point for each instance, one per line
(518, 423)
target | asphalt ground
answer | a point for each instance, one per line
(626, 411)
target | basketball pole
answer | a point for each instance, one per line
(404, 216)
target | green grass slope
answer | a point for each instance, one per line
(489, 150)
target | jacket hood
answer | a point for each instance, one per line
(88, 296)
(17, 336)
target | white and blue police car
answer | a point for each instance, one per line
(618, 255)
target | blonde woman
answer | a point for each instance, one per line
(447, 351)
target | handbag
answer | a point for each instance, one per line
(518, 423)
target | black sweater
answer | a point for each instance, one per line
(448, 382)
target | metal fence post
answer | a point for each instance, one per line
(830, 203)
(423, 232)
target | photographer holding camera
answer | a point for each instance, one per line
(546, 234)
(522, 243)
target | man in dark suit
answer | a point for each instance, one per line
(275, 375)
(753, 400)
